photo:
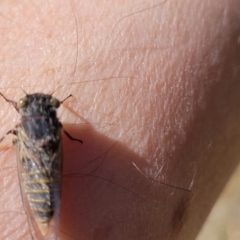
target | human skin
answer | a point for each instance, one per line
(155, 90)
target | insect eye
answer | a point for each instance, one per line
(55, 102)
(22, 102)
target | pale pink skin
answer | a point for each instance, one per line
(169, 101)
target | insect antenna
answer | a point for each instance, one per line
(70, 95)
(24, 91)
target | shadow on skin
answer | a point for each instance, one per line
(105, 197)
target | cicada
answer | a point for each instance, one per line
(39, 150)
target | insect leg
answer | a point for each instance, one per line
(71, 138)
(10, 101)
(13, 131)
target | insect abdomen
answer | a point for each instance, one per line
(40, 190)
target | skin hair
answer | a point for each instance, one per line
(155, 90)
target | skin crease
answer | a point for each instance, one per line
(153, 83)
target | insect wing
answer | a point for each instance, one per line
(33, 228)
(29, 180)
(57, 192)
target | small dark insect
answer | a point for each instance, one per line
(39, 151)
